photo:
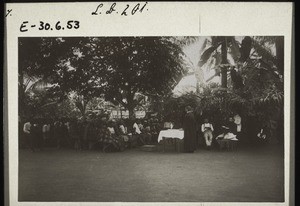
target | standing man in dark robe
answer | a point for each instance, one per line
(190, 134)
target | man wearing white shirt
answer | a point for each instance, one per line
(122, 129)
(238, 121)
(45, 131)
(26, 128)
(28, 135)
(137, 131)
(111, 130)
(136, 128)
(207, 129)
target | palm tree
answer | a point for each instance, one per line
(214, 54)
(221, 54)
(28, 85)
(224, 48)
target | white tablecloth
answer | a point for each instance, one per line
(170, 133)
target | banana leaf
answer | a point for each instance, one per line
(207, 54)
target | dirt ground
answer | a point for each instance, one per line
(137, 176)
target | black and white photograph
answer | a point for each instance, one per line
(148, 103)
(151, 119)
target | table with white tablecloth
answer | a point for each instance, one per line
(177, 134)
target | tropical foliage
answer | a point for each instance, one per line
(253, 87)
(66, 76)
(117, 67)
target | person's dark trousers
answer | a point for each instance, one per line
(133, 140)
(30, 141)
(40, 142)
(154, 137)
(239, 136)
(200, 140)
(59, 142)
(141, 139)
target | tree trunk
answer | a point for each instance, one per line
(130, 103)
(224, 61)
(84, 110)
(81, 105)
(131, 113)
(83, 116)
(198, 87)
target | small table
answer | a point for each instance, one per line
(175, 134)
(228, 144)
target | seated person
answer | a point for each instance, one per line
(168, 125)
(229, 131)
(141, 126)
(110, 140)
(155, 128)
(122, 128)
(123, 132)
(111, 130)
(263, 135)
(102, 133)
(136, 128)
(147, 133)
(207, 130)
(138, 133)
(232, 126)
(238, 122)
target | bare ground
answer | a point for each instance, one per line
(138, 176)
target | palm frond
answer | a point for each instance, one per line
(49, 104)
(263, 51)
(234, 49)
(39, 85)
(187, 40)
(205, 56)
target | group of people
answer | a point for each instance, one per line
(230, 130)
(109, 135)
(117, 135)
(41, 133)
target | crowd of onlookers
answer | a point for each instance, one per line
(107, 135)
(119, 134)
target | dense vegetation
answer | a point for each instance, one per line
(67, 77)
